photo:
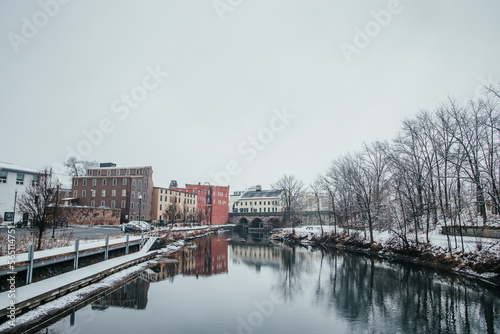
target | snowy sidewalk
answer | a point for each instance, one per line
(54, 252)
(51, 288)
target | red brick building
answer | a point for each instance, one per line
(216, 208)
(210, 257)
(129, 189)
(202, 205)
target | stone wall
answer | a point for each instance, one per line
(473, 231)
(84, 215)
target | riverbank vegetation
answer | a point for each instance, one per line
(440, 172)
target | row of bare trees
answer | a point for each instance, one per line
(442, 168)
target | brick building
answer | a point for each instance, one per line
(174, 205)
(216, 209)
(201, 202)
(128, 188)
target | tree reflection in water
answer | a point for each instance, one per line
(394, 297)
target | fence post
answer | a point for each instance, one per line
(126, 247)
(31, 255)
(77, 246)
(106, 252)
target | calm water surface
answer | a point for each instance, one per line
(234, 284)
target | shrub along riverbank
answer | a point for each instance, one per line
(482, 263)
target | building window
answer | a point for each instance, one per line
(103, 203)
(133, 194)
(92, 204)
(75, 193)
(124, 193)
(144, 206)
(117, 172)
(89, 173)
(74, 183)
(161, 198)
(104, 193)
(84, 193)
(20, 178)
(161, 208)
(114, 182)
(140, 183)
(123, 204)
(94, 182)
(113, 204)
(109, 172)
(104, 182)
(84, 182)
(124, 182)
(145, 184)
(132, 205)
(133, 182)
(99, 172)
(137, 172)
(113, 193)
(93, 193)
(128, 171)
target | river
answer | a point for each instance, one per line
(234, 284)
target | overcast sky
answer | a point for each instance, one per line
(199, 89)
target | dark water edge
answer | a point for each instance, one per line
(304, 289)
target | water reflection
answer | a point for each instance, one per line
(319, 291)
(131, 295)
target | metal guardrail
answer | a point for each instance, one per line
(74, 255)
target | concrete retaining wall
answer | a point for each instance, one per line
(473, 231)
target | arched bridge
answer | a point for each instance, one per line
(256, 220)
(269, 220)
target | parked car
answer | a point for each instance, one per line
(274, 231)
(136, 226)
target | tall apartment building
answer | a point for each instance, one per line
(127, 188)
(174, 204)
(217, 202)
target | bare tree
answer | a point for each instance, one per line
(316, 188)
(77, 167)
(292, 189)
(38, 196)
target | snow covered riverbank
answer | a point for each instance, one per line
(478, 257)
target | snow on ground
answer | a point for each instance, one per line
(69, 299)
(23, 257)
(81, 294)
(436, 239)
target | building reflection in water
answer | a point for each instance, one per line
(203, 257)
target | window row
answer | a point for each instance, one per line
(108, 172)
(19, 177)
(255, 203)
(114, 182)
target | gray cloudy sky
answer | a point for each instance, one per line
(256, 88)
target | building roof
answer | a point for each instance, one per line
(16, 168)
(261, 194)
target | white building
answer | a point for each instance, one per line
(234, 198)
(257, 200)
(13, 179)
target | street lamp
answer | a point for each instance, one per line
(140, 205)
(55, 210)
